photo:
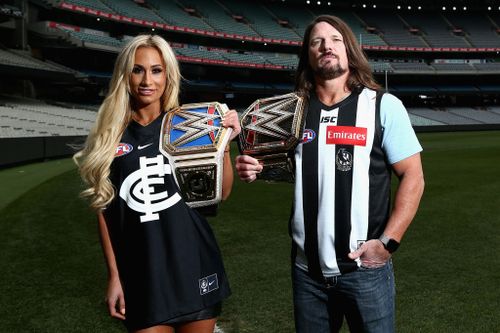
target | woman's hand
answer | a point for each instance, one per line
(115, 298)
(231, 120)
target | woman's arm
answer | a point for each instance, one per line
(227, 173)
(114, 295)
(230, 120)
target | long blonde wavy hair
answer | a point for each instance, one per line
(95, 159)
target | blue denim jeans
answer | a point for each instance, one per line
(364, 297)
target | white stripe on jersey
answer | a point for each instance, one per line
(360, 175)
(299, 234)
(326, 196)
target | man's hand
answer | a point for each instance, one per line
(372, 254)
(247, 168)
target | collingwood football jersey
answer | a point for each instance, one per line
(342, 190)
(167, 257)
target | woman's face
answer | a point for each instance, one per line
(148, 78)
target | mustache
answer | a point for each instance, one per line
(329, 54)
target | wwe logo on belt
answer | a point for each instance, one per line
(195, 126)
(266, 119)
(138, 189)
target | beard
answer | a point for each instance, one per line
(330, 72)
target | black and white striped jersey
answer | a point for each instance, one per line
(343, 174)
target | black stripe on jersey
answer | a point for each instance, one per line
(310, 191)
(343, 189)
(380, 186)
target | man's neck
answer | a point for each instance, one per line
(333, 91)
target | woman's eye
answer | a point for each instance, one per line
(137, 70)
(157, 70)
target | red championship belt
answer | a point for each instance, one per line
(270, 129)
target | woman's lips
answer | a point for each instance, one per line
(146, 92)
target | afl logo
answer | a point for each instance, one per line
(123, 149)
(308, 135)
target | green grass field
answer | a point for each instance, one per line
(53, 278)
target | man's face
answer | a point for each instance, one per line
(327, 52)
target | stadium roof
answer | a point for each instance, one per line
(459, 5)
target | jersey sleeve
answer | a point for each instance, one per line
(399, 140)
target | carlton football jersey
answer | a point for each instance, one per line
(342, 190)
(167, 256)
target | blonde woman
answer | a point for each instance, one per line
(165, 268)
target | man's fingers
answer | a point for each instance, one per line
(247, 163)
(357, 253)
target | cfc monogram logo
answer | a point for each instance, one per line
(138, 189)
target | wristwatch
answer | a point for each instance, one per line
(390, 244)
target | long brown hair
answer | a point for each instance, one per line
(360, 73)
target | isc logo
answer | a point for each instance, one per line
(328, 119)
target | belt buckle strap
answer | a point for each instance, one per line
(330, 281)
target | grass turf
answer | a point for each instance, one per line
(53, 276)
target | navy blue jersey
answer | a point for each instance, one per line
(167, 257)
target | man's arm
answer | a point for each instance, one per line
(411, 187)
(408, 195)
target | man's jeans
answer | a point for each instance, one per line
(365, 297)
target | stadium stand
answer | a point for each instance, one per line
(436, 30)
(260, 19)
(218, 17)
(19, 58)
(28, 118)
(175, 15)
(207, 34)
(297, 18)
(93, 4)
(132, 9)
(494, 109)
(421, 121)
(391, 28)
(443, 116)
(453, 67)
(361, 30)
(413, 66)
(478, 28)
(483, 116)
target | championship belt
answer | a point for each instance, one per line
(193, 139)
(270, 129)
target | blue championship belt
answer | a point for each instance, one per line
(193, 139)
(270, 129)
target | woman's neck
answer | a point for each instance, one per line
(147, 114)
